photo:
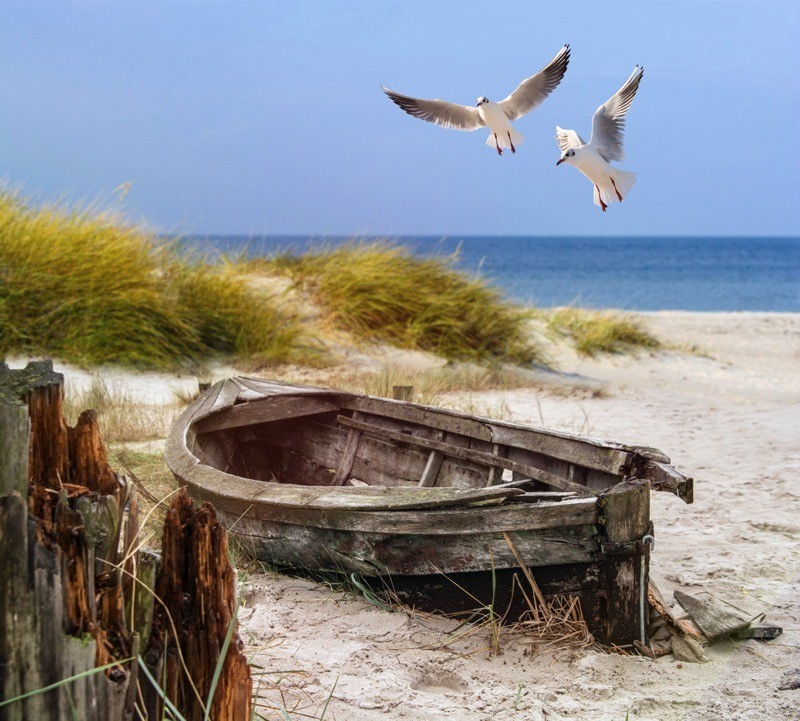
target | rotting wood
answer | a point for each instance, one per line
(197, 587)
(683, 626)
(466, 453)
(49, 582)
(626, 520)
(68, 553)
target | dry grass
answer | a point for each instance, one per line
(430, 386)
(594, 332)
(382, 292)
(122, 417)
(87, 287)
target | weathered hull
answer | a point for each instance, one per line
(322, 480)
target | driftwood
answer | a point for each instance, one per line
(69, 603)
(715, 619)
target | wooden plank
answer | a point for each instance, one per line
(433, 522)
(207, 400)
(666, 478)
(391, 553)
(272, 409)
(251, 492)
(348, 456)
(465, 453)
(573, 450)
(421, 415)
(431, 469)
(608, 456)
(228, 394)
(14, 430)
(716, 619)
(626, 519)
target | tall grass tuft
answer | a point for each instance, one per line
(594, 332)
(382, 292)
(86, 287)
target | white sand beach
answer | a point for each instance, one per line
(727, 412)
(730, 417)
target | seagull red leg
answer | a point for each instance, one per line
(497, 145)
(513, 149)
(615, 189)
(600, 198)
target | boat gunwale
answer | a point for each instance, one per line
(209, 479)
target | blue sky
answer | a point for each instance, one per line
(267, 117)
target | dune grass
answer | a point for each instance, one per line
(382, 292)
(594, 332)
(86, 287)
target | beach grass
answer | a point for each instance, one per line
(594, 332)
(379, 291)
(87, 287)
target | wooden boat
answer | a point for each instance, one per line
(332, 480)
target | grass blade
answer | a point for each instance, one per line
(218, 669)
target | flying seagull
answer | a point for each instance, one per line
(496, 116)
(593, 158)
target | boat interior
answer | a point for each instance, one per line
(349, 440)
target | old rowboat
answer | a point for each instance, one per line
(331, 480)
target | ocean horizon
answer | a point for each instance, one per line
(712, 274)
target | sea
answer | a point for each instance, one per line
(630, 273)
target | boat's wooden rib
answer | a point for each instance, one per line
(432, 468)
(348, 457)
(468, 454)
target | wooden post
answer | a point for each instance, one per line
(626, 519)
(62, 563)
(51, 626)
(197, 586)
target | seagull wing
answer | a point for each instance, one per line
(536, 88)
(568, 139)
(448, 115)
(608, 123)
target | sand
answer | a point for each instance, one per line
(729, 416)
(727, 412)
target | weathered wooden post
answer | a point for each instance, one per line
(76, 594)
(54, 622)
(625, 517)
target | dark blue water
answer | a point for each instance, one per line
(700, 274)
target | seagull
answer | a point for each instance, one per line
(593, 158)
(496, 116)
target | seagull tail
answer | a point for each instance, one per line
(502, 139)
(624, 181)
(605, 193)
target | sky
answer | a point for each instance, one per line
(267, 117)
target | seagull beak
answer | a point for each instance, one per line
(558, 162)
